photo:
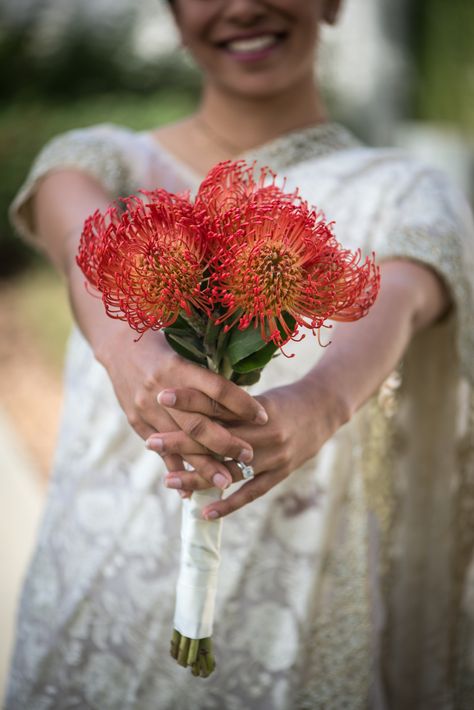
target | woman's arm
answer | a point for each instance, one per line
(304, 415)
(138, 370)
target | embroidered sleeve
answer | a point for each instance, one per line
(99, 151)
(433, 224)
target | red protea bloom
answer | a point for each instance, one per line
(285, 261)
(229, 191)
(148, 261)
(232, 184)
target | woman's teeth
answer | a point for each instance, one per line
(252, 44)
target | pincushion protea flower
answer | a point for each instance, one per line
(229, 279)
(235, 184)
(276, 260)
(148, 262)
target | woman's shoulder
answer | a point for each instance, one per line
(407, 178)
(390, 172)
(98, 137)
(120, 157)
(106, 152)
(142, 156)
(97, 131)
(110, 153)
(105, 146)
(368, 161)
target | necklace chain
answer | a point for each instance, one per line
(215, 137)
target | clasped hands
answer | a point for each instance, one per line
(185, 412)
(269, 433)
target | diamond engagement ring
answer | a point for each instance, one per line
(247, 470)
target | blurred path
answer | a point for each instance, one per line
(34, 322)
(21, 499)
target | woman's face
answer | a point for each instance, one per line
(255, 48)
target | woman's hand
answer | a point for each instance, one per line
(139, 370)
(300, 419)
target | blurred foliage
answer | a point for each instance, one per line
(63, 55)
(442, 38)
(25, 126)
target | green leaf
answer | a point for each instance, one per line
(182, 328)
(179, 324)
(243, 343)
(187, 347)
(245, 380)
(247, 351)
(257, 360)
(180, 332)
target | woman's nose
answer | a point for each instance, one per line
(244, 12)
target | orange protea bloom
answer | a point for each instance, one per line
(283, 260)
(229, 191)
(148, 261)
(230, 185)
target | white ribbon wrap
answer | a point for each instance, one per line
(200, 558)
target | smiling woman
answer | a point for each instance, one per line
(348, 580)
(252, 49)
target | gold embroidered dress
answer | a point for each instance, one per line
(349, 585)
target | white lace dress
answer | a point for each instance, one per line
(348, 585)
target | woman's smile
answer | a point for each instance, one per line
(253, 47)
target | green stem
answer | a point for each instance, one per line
(211, 365)
(175, 639)
(183, 651)
(225, 368)
(195, 669)
(193, 651)
(208, 655)
(203, 669)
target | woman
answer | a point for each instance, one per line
(346, 584)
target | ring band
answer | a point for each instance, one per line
(247, 470)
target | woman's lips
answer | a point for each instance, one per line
(249, 49)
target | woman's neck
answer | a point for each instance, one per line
(226, 125)
(241, 122)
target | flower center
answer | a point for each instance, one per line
(273, 277)
(163, 279)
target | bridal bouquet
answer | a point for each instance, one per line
(230, 278)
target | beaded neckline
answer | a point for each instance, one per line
(305, 144)
(289, 149)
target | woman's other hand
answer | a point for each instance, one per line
(300, 420)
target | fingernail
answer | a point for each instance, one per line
(262, 417)
(246, 455)
(154, 443)
(183, 494)
(220, 481)
(173, 482)
(167, 398)
(212, 515)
